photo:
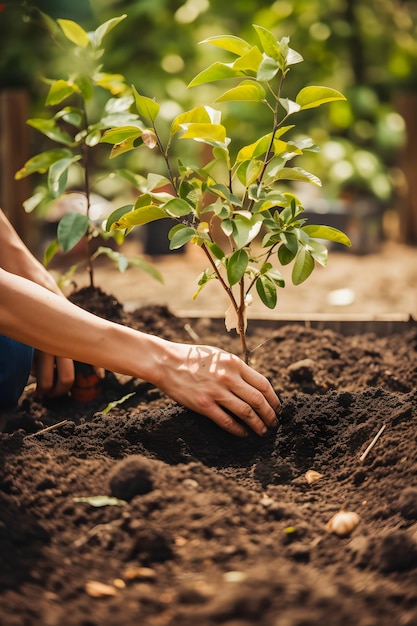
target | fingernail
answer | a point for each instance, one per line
(264, 430)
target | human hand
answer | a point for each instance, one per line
(54, 375)
(220, 386)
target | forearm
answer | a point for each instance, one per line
(17, 259)
(35, 316)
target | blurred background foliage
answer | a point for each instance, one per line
(367, 50)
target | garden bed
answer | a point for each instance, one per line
(228, 531)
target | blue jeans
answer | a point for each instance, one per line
(15, 365)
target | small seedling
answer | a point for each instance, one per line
(243, 192)
(77, 129)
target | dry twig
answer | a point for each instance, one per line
(371, 445)
(47, 429)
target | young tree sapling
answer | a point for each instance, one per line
(240, 188)
(77, 131)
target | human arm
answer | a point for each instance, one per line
(54, 375)
(16, 258)
(210, 381)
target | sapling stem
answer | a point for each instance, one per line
(241, 321)
(85, 163)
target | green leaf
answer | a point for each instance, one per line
(246, 229)
(58, 175)
(85, 85)
(268, 69)
(31, 203)
(70, 115)
(303, 266)
(247, 91)
(285, 255)
(60, 90)
(71, 229)
(93, 138)
(51, 130)
(99, 501)
(196, 115)
(120, 260)
(216, 250)
(318, 251)
(145, 106)
(224, 192)
(261, 145)
(290, 241)
(248, 171)
(50, 252)
(177, 207)
(295, 173)
(139, 217)
(327, 232)
(236, 266)
(227, 226)
(126, 146)
(216, 71)
(106, 27)
(268, 42)
(112, 405)
(276, 277)
(116, 215)
(311, 97)
(267, 291)
(118, 105)
(119, 135)
(42, 162)
(289, 105)
(250, 61)
(293, 57)
(125, 138)
(74, 32)
(181, 236)
(213, 134)
(233, 44)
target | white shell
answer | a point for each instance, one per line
(343, 523)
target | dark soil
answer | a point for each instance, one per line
(214, 530)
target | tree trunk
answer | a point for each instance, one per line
(406, 105)
(14, 151)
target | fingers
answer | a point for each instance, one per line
(225, 411)
(262, 396)
(220, 417)
(100, 372)
(252, 409)
(236, 404)
(55, 375)
(65, 377)
(252, 400)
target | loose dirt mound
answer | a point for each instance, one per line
(217, 530)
